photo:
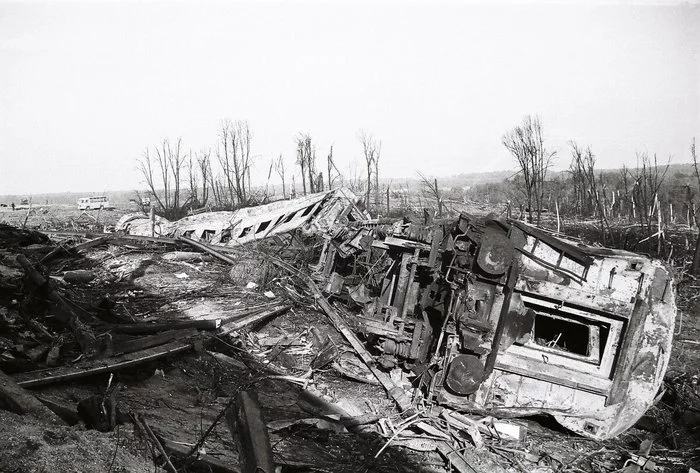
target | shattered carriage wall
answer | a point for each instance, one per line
(501, 316)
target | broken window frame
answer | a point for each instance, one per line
(552, 356)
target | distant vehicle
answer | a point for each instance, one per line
(94, 203)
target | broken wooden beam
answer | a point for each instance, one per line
(141, 343)
(156, 442)
(249, 430)
(67, 412)
(76, 248)
(244, 321)
(256, 309)
(15, 398)
(80, 370)
(318, 406)
(228, 360)
(208, 249)
(145, 328)
(83, 334)
(121, 239)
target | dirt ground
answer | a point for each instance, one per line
(183, 395)
(62, 217)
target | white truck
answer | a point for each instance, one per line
(94, 203)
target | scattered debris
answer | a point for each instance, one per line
(468, 325)
(492, 314)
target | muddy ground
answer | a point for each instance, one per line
(183, 395)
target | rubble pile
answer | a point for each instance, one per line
(307, 337)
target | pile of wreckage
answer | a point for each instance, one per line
(462, 321)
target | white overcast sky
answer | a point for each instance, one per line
(86, 86)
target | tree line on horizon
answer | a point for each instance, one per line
(644, 196)
(219, 177)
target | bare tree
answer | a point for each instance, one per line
(306, 159)
(432, 191)
(695, 266)
(647, 179)
(526, 144)
(376, 174)
(591, 195)
(164, 170)
(266, 197)
(146, 166)
(354, 181)
(626, 201)
(371, 149)
(225, 157)
(192, 174)
(176, 160)
(331, 167)
(204, 164)
(235, 158)
(578, 169)
(279, 168)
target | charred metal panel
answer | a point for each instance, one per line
(520, 321)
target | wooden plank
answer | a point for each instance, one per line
(33, 379)
(141, 238)
(156, 442)
(16, 399)
(208, 249)
(249, 430)
(238, 324)
(228, 360)
(141, 343)
(318, 406)
(148, 328)
(76, 248)
(67, 412)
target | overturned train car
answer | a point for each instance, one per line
(500, 316)
(312, 214)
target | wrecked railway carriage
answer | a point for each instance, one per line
(490, 315)
(503, 317)
(314, 213)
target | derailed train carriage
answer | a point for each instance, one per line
(490, 315)
(499, 316)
